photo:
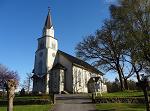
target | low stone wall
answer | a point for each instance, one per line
(120, 100)
(26, 102)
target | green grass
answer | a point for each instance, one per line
(128, 93)
(120, 107)
(29, 108)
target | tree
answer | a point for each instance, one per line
(106, 49)
(6, 74)
(133, 15)
(27, 82)
(22, 92)
(132, 85)
(11, 85)
(113, 86)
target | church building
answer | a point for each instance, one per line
(56, 71)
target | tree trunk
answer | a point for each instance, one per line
(10, 87)
(144, 85)
(120, 77)
(146, 99)
(121, 83)
(138, 76)
(3, 93)
(126, 84)
(137, 73)
(10, 104)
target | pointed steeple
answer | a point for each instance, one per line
(48, 22)
(48, 29)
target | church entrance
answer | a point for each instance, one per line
(57, 81)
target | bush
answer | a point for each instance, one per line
(22, 92)
(27, 102)
(115, 85)
(120, 100)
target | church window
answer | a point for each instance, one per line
(53, 54)
(41, 54)
(41, 45)
(75, 75)
(79, 77)
(40, 65)
(85, 78)
(55, 74)
(53, 46)
(35, 80)
(62, 76)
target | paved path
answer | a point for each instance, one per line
(73, 102)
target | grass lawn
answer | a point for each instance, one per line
(29, 108)
(127, 93)
(120, 107)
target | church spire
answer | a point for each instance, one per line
(48, 27)
(48, 22)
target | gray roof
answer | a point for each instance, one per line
(59, 66)
(81, 63)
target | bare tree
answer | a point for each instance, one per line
(105, 49)
(6, 74)
(27, 82)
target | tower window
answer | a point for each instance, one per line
(40, 65)
(40, 54)
(53, 46)
(41, 45)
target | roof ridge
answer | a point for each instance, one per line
(83, 63)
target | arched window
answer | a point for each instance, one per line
(41, 45)
(53, 46)
(40, 65)
(85, 75)
(79, 77)
(75, 75)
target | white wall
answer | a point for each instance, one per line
(54, 81)
(48, 32)
(68, 73)
(85, 76)
(39, 59)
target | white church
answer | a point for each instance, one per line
(56, 71)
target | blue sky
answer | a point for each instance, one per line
(21, 23)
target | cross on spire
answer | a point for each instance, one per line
(49, 8)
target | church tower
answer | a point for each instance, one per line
(44, 57)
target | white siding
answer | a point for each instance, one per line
(68, 73)
(84, 75)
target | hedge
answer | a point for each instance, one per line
(119, 100)
(27, 102)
